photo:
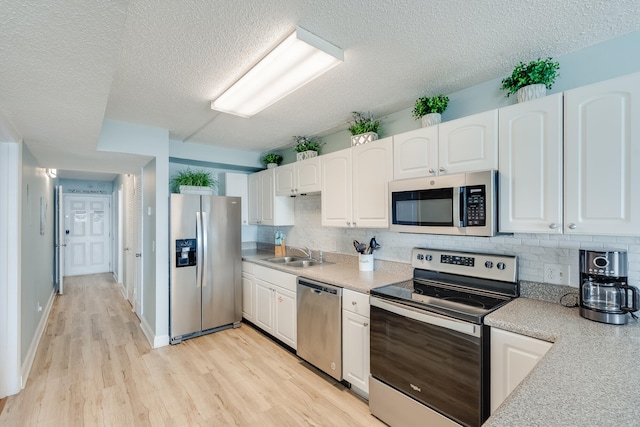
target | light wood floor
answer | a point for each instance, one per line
(94, 367)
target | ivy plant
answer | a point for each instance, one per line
(542, 71)
(363, 123)
(426, 105)
(306, 143)
(272, 158)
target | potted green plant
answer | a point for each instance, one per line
(363, 128)
(272, 160)
(530, 81)
(189, 181)
(306, 147)
(430, 109)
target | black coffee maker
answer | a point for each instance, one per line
(605, 295)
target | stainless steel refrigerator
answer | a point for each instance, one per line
(206, 265)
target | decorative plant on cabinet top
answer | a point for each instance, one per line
(530, 81)
(430, 109)
(272, 160)
(189, 181)
(363, 128)
(306, 147)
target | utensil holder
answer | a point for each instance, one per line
(365, 262)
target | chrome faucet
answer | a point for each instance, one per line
(305, 250)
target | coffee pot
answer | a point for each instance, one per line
(605, 295)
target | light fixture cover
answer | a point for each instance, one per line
(52, 173)
(300, 58)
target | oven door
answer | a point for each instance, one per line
(436, 360)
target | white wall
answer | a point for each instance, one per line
(149, 261)
(10, 196)
(36, 284)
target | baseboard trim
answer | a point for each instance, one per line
(154, 340)
(31, 354)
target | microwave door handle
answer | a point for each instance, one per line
(459, 207)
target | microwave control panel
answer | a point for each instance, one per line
(476, 206)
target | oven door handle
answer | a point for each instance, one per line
(430, 318)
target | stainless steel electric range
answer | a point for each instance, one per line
(429, 346)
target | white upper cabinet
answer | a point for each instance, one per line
(415, 153)
(468, 144)
(355, 185)
(530, 166)
(264, 207)
(602, 158)
(298, 178)
(236, 184)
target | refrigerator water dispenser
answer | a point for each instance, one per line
(186, 253)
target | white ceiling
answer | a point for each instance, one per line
(67, 65)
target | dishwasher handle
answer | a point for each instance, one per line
(319, 288)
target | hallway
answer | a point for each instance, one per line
(95, 367)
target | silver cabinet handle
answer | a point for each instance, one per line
(431, 170)
(292, 190)
(348, 224)
(365, 324)
(553, 226)
(572, 226)
(353, 303)
(441, 169)
(354, 223)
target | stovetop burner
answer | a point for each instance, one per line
(460, 285)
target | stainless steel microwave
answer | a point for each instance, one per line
(457, 204)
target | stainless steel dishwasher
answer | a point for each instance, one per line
(320, 325)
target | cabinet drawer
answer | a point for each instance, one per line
(248, 267)
(276, 277)
(355, 302)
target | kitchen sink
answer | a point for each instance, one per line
(286, 259)
(296, 261)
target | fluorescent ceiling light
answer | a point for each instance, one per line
(296, 61)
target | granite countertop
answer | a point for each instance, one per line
(589, 377)
(344, 273)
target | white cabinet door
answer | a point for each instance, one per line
(415, 153)
(255, 198)
(513, 356)
(307, 176)
(530, 153)
(264, 207)
(285, 180)
(337, 189)
(264, 309)
(602, 158)
(285, 317)
(235, 184)
(267, 188)
(355, 349)
(468, 144)
(372, 171)
(248, 297)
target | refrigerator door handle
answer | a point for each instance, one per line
(199, 252)
(205, 249)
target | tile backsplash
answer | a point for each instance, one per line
(533, 250)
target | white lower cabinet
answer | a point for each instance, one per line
(513, 356)
(275, 304)
(355, 340)
(248, 291)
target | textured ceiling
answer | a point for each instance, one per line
(66, 65)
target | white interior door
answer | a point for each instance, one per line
(87, 229)
(129, 254)
(60, 240)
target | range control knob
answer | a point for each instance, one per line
(420, 257)
(428, 257)
(488, 264)
(501, 266)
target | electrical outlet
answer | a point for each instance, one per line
(557, 274)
